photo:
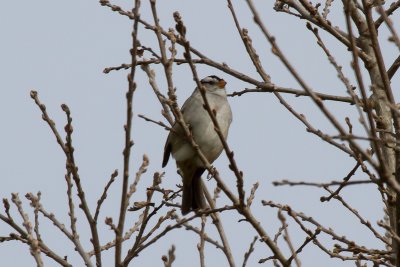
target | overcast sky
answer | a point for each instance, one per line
(60, 49)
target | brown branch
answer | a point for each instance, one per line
(393, 68)
(128, 234)
(357, 214)
(179, 223)
(300, 249)
(23, 237)
(378, 54)
(139, 173)
(348, 8)
(140, 238)
(104, 195)
(217, 221)
(248, 252)
(33, 243)
(393, 7)
(46, 118)
(168, 260)
(295, 92)
(342, 185)
(160, 123)
(320, 185)
(359, 252)
(288, 241)
(71, 213)
(73, 169)
(161, 98)
(252, 194)
(71, 166)
(36, 213)
(310, 13)
(328, 4)
(128, 141)
(206, 237)
(73, 236)
(200, 246)
(395, 37)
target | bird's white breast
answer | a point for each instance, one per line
(202, 126)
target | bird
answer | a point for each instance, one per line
(190, 166)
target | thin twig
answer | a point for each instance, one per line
(343, 184)
(74, 237)
(393, 7)
(248, 253)
(104, 195)
(168, 260)
(128, 140)
(288, 240)
(200, 246)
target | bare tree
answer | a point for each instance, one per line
(375, 151)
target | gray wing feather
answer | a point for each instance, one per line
(173, 140)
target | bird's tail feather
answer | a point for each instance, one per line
(193, 196)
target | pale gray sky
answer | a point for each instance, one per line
(60, 48)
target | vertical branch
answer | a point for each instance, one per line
(220, 228)
(168, 260)
(71, 166)
(378, 53)
(139, 237)
(390, 115)
(71, 207)
(128, 142)
(287, 239)
(367, 106)
(36, 212)
(202, 235)
(73, 169)
(33, 243)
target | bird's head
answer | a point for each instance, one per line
(213, 83)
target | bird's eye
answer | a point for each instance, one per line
(208, 82)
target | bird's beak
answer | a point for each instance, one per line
(221, 84)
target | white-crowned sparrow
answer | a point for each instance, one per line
(196, 116)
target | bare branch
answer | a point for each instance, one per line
(248, 253)
(128, 141)
(104, 195)
(168, 260)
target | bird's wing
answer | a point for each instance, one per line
(167, 151)
(174, 138)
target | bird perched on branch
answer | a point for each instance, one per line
(202, 128)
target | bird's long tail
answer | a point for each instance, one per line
(192, 195)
